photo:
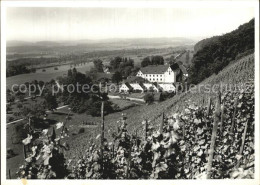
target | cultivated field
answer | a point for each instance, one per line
(46, 76)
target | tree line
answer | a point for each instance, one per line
(154, 60)
(18, 69)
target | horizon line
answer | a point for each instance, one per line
(111, 38)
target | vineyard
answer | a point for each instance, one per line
(213, 141)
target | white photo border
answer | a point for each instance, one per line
(129, 4)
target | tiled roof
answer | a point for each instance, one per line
(149, 85)
(137, 86)
(103, 75)
(152, 69)
(137, 79)
(128, 85)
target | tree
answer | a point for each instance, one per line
(126, 71)
(114, 63)
(148, 98)
(157, 60)
(81, 101)
(8, 108)
(213, 54)
(9, 96)
(146, 62)
(50, 101)
(151, 89)
(35, 114)
(98, 64)
(69, 72)
(134, 71)
(19, 105)
(117, 77)
(94, 108)
(74, 71)
(20, 96)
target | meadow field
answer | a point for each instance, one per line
(46, 76)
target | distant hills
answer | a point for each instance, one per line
(213, 54)
(87, 45)
(15, 43)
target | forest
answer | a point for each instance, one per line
(214, 54)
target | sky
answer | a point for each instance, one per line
(53, 24)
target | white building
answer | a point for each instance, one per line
(159, 73)
(167, 87)
(137, 87)
(125, 87)
(150, 86)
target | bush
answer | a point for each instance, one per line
(55, 68)
(10, 153)
(43, 70)
(19, 105)
(10, 119)
(81, 130)
(19, 133)
(33, 70)
(166, 95)
(148, 98)
(8, 108)
(17, 114)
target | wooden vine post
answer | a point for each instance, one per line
(102, 134)
(208, 107)
(222, 118)
(9, 173)
(234, 115)
(24, 151)
(162, 123)
(243, 143)
(214, 135)
(145, 129)
(129, 161)
(124, 117)
(136, 136)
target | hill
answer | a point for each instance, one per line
(79, 46)
(196, 142)
(213, 54)
(241, 70)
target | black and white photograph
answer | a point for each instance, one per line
(130, 91)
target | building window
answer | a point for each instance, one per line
(161, 79)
